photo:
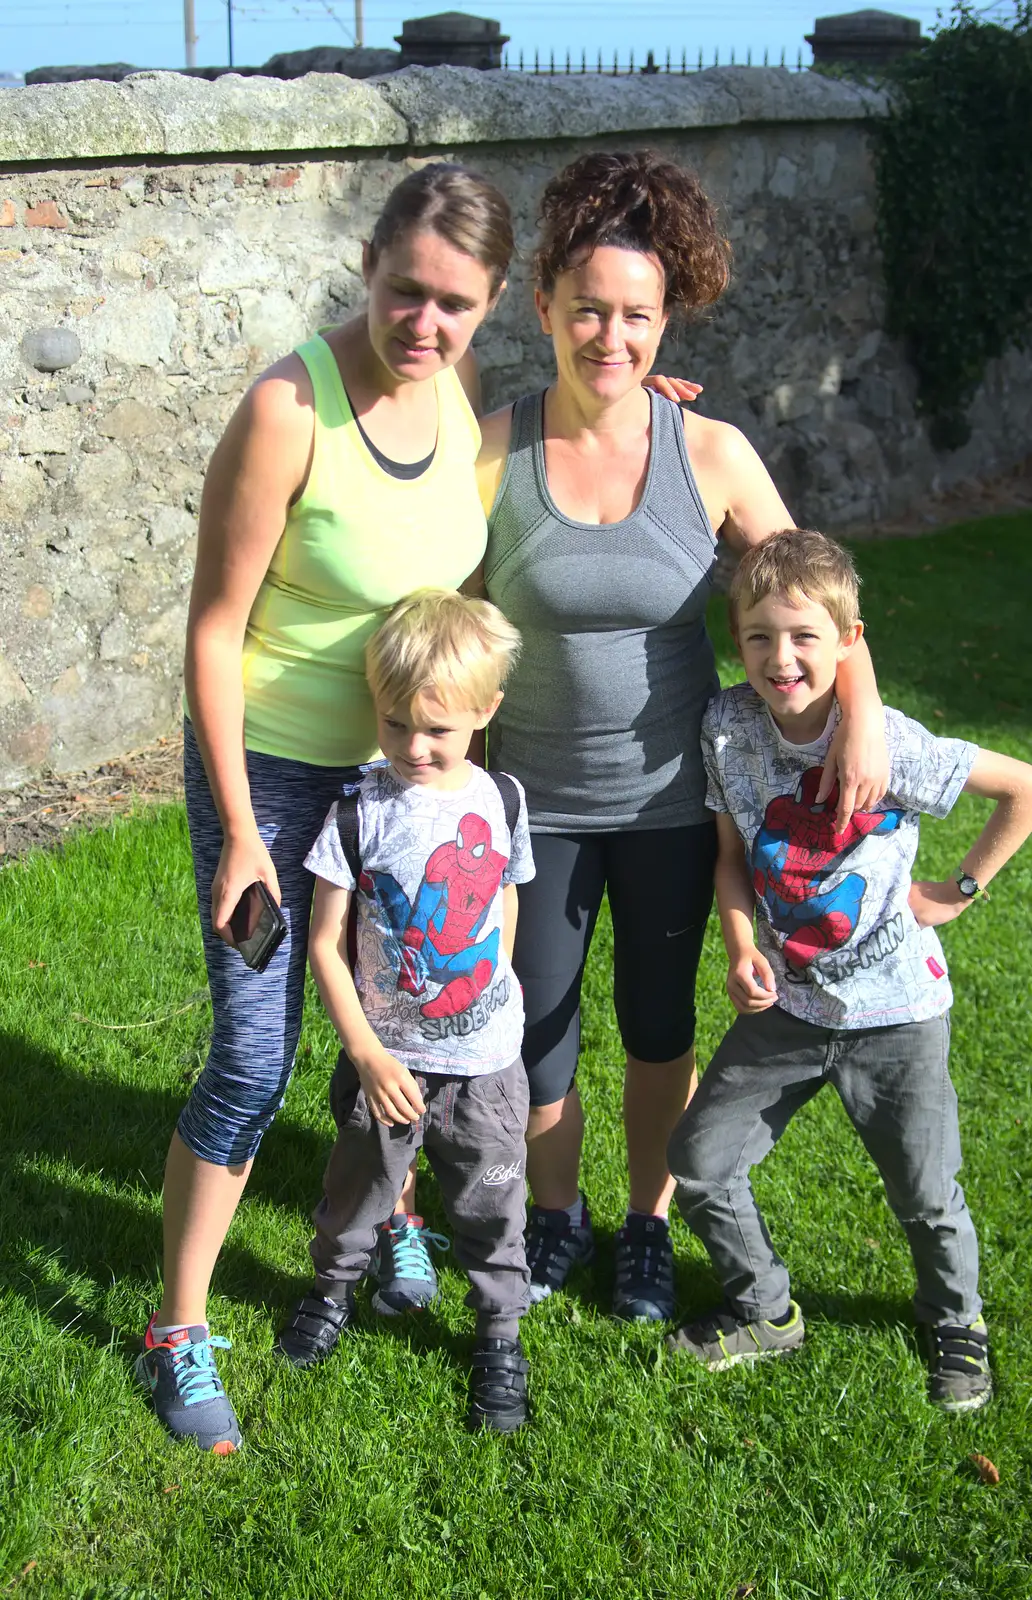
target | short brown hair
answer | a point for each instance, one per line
(638, 202)
(800, 565)
(439, 642)
(459, 205)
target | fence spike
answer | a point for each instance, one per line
(732, 55)
(668, 58)
(765, 62)
(616, 69)
(583, 61)
(631, 67)
(782, 55)
(551, 63)
(536, 64)
(799, 61)
(567, 63)
(716, 55)
(600, 63)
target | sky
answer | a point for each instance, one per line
(150, 33)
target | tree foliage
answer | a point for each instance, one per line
(954, 167)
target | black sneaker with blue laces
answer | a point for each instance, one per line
(554, 1246)
(644, 1289)
(404, 1272)
(186, 1390)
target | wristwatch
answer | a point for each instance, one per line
(969, 886)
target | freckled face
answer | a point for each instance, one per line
(791, 653)
(605, 316)
(426, 301)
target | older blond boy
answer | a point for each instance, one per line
(843, 979)
(430, 1018)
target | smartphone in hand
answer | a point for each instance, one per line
(258, 926)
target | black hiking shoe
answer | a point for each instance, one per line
(555, 1245)
(498, 1386)
(314, 1330)
(644, 1289)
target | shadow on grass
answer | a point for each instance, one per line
(104, 1227)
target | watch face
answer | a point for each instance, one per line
(967, 885)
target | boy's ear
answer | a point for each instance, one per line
(487, 712)
(850, 639)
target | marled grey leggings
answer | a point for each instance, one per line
(256, 1015)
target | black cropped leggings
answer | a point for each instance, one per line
(660, 886)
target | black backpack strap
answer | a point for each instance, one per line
(510, 797)
(347, 827)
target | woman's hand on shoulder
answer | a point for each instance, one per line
(495, 434)
(681, 390)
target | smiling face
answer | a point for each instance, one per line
(426, 301)
(791, 653)
(426, 742)
(605, 317)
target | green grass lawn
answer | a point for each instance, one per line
(824, 1476)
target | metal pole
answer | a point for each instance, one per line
(359, 25)
(229, 28)
(189, 33)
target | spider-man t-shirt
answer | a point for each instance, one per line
(435, 982)
(832, 915)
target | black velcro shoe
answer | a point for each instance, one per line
(314, 1330)
(498, 1386)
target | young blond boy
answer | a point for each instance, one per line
(844, 979)
(431, 1017)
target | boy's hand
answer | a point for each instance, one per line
(751, 983)
(391, 1090)
(936, 903)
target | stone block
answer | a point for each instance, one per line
(21, 489)
(131, 420)
(169, 526)
(12, 685)
(136, 330)
(51, 349)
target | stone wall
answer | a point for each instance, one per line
(183, 234)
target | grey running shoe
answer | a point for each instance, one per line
(723, 1340)
(960, 1378)
(644, 1289)
(405, 1274)
(555, 1245)
(186, 1390)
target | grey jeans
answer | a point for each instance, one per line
(895, 1085)
(473, 1132)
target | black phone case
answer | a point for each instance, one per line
(257, 951)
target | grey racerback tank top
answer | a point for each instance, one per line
(600, 720)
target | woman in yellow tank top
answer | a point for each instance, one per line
(344, 481)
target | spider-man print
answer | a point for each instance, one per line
(437, 936)
(794, 852)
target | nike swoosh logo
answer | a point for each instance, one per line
(677, 932)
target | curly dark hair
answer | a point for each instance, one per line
(637, 201)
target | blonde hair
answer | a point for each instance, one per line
(799, 565)
(439, 642)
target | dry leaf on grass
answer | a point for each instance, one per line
(986, 1471)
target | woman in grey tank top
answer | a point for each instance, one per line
(605, 504)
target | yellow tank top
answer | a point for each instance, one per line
(356, 542)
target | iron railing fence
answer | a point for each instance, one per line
(520, 61)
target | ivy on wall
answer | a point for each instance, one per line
(954, 167)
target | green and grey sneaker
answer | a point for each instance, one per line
(723, 1339)
(960, 1378)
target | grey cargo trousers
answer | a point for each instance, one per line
(473, 1133)
(895, 1085)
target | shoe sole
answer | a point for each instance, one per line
(743, 1358)
(485, 1424)
(955, 1407)
(383, 1309)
